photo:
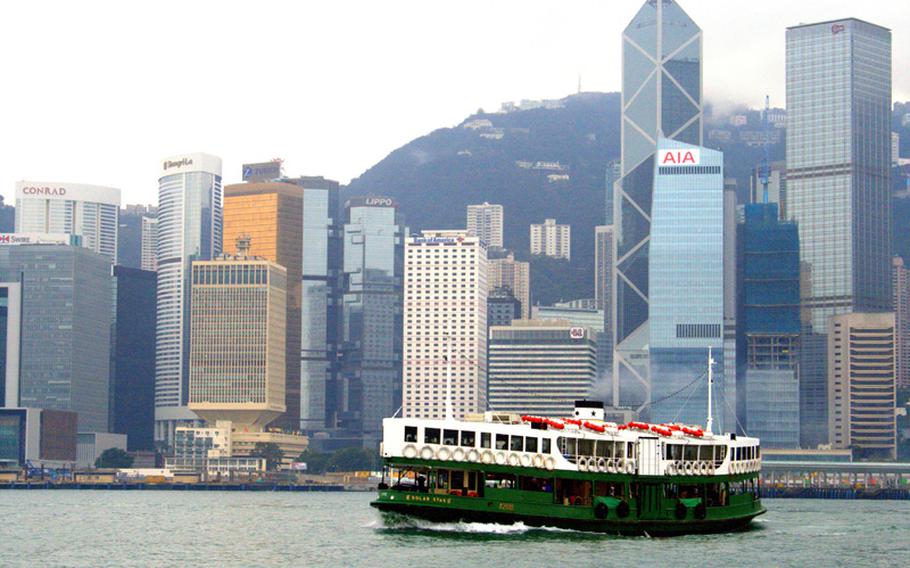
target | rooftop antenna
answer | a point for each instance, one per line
(579, 83)
(709, 425)
(764, 172)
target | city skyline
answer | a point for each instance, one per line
(580, 39)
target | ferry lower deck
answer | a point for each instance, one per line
(612, 503)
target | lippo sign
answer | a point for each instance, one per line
(680, 157)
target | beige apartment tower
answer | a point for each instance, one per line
(514, 275)
(485, 221)
(237, 347)
(445, 318)
(861, 386)
(900, 289)
(550, 239)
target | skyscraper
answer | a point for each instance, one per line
(321, 396)
(485, 221)
(512, 274)
(189, 228)
(270, 213)
(64, 360)
(133, 356)
(502, 307)
(614, 172)
(89, 211)
(603, 266)
(551, 239)
(371, 343)
(10, 340)
(838, 163)
(769, 325)
(662, 98)
(861, 393)
(687, 285)
(149, 244)
(541, 367)
(237, 333)
(445, 320)
(901, 290)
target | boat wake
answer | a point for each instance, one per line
(411, 524)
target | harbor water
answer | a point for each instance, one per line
(187, 528)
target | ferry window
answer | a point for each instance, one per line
(431, 436)
(449, 437)
(602, 449)
(517, 444)
(502, 441)
(545, 446)
(757, 452)
(676, 451)
(530, 444)
(705, 453)
(410, 433)
(467, 438)
(690, 452)
(630, 450)
(720, 453)
(485, 439)
(586, 447)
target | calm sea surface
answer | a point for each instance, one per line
(169, 528)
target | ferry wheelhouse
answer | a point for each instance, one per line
(579, 472)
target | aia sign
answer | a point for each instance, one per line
(681, 157)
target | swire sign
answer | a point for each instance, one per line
(168, 164)
(681, 157)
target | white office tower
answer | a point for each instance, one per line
(445, 324)
(89, 211)
(550, 239)
(485, 221)
(189, 228)
(149, 237)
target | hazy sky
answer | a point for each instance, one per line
(99, 92)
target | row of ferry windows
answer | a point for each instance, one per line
(692, 452)
(746, 453)
(468, 439)
(573, 447)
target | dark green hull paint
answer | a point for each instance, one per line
(508, 506)
(627, 527)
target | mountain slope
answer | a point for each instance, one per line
(434, 177)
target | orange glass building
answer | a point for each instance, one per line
(271, 214)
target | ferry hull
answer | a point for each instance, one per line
(393, 504)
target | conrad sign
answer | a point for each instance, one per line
(44, 191)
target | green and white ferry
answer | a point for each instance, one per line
(579, 472)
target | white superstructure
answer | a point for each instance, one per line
(89, 211)
(572, 445)
(445, 318)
